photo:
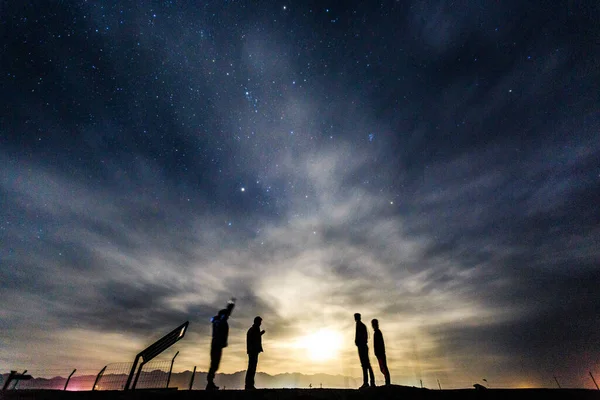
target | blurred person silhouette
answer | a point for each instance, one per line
(253, 348)
(379, 348)
(360, 340)
(220, 332)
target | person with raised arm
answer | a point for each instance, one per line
(220, 333)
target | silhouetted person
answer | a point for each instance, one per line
(360, 341)
(379, 347)
(220, 332)
(253, 347)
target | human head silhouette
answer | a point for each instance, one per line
(357, 317)
(375, 323)
(257, 320)
(223, 314)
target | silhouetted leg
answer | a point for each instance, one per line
(363, 354)
(365, 377)
(215, 360)
(384, 368)
(251, 371)
(371, 375)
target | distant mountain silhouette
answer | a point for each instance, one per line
(287, 380)
(181, 380)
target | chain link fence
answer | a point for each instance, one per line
(114, 376)
(154, 375)
(54, 379)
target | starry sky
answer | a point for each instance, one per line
(432, 164)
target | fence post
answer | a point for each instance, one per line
(192, 380)
(137, 376)
(98, 377)
(8, 380)
(597, 388)
(133, 367)
(17, 381)
(171, 370)
(68, 379)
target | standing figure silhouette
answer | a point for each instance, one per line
(220, 332)
(253, 347)
(361, 340)
(379, 347)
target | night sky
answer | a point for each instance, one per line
(435, 165)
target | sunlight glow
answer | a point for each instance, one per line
(322, 345)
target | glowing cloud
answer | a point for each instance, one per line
(322, 345)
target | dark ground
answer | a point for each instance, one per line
(393, 392)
